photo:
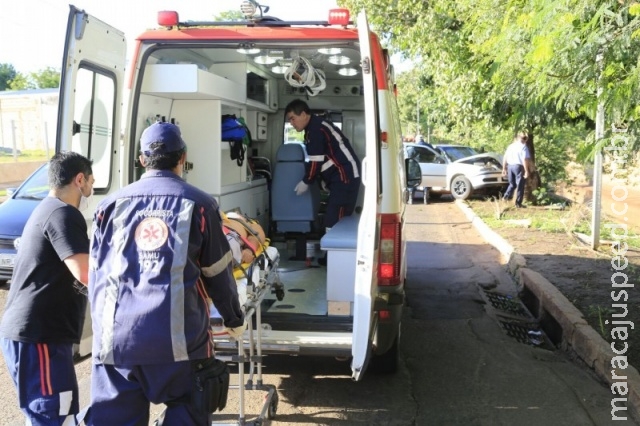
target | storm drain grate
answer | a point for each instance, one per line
(507, 304)
(528, 333)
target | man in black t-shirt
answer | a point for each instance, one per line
(45, 312)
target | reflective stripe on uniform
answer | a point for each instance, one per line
(112, 286)
(337, 136)
(180, 250)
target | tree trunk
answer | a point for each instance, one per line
(533, 182)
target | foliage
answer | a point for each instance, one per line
(7, 73)
(10, 79)
(486, 68)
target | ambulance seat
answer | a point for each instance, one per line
(291, 212)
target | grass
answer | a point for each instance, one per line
(25, 156)
(575, 218)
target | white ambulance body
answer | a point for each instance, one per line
(192, 74)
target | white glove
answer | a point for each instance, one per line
(301, 188)
(236, 332)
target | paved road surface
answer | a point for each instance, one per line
(457, 366)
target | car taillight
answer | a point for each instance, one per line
(389, 255)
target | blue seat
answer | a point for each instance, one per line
(291, 212)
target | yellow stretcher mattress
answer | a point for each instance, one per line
(238, 272)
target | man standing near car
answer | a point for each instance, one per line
(46, 305)
(516, 164)
(331, 158)
(158, 253)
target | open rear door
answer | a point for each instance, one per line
(89, 110)
(366, 274)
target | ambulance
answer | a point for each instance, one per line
(195, 73)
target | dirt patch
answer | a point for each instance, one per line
(583, 275)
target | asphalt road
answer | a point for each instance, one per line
(457, 366)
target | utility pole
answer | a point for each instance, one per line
(596, 201)
(417, 116)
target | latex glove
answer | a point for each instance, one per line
(236, 332)
(301, 188)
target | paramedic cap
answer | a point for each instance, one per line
(166, 133)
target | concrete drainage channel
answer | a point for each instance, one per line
(516, 320)
(561, 322)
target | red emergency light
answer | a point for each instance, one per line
(168, 18)
(339, 17)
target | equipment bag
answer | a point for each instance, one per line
(211, 385)
(236, 132)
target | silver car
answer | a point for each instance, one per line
(457, 170)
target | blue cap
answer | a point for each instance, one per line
(165, 133)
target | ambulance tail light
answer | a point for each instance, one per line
(339, 17)
(389, 255)
(167, 18)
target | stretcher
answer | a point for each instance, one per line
(255, 280)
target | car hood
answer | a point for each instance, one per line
(486, 157)
(14, 214)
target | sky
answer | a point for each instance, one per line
(32, 32)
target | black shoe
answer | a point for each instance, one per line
(520, 206)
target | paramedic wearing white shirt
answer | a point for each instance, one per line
(516, 166)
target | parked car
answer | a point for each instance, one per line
(5, 150)
(14, 212)
(457, 170)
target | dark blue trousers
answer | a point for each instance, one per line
(342, 201)
(45, 378)
(515, 173)
(122, 395)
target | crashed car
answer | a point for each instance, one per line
(457, 170)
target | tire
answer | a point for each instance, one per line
(387, 363)
(273, 407)
(461, 187)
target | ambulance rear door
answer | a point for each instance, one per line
(91, 90)
(368, 228)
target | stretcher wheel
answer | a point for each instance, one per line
(273, 406)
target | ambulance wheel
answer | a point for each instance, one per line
(387, 363)
(273, 406)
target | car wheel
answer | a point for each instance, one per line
(461, 187)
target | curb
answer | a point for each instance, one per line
(577, 335)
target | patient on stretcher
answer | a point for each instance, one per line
(247, 241)
(246, 237)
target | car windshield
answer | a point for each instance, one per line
(458, 152)
(36, 186)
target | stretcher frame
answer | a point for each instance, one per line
(248, 350)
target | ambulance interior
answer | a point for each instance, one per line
(195, 85)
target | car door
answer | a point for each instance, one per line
(433, 166)
(91, 91)
(368, 228)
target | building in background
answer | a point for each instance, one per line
(28, 120)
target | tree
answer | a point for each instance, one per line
(7, 73)
(48, 78)
(507, 65)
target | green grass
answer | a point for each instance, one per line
(26, 156)
(573, 219)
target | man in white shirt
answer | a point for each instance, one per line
(516, 164)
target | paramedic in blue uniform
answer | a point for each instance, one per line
(45, 311)
(331, 158)
(158, 253)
